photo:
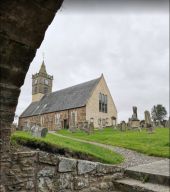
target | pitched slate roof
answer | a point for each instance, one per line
(72, 97)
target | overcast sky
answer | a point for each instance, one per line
(130, 48)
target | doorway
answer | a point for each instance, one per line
(65, 126)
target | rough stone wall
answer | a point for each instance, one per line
(23, 25)
(43, 172)
(48, 120)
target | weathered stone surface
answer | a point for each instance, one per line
(104, 168)
(48, 158)
(81, 182)
(148, 122)
(65, 181)
(67, 165)
(86, 167)
(40, 171)
(47, 171)
(45, 184)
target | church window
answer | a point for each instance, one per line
(73, 117)
(42, 120)
(102, 103)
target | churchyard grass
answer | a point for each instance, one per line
(53, 141)
(155, 144)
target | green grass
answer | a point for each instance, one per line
(63, 144)
(156, 144)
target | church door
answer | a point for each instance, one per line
(65, 124)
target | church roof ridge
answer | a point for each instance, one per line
(73, 86)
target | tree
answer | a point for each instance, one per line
(158, 112)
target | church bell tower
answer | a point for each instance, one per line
(41, 83)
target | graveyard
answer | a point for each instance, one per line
(156, 144)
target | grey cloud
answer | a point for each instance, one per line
(131, 50)
(94, 6)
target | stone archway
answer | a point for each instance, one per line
(23, 26)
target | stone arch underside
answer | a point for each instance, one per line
(23, 26)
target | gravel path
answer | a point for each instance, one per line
(132, 158)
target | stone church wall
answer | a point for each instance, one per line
(48, 120)
(92, 108)
(43, 172)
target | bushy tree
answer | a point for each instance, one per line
(158, 112)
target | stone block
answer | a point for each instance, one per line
(86, 167)
(47, 158)
(104, 168)
(67, 165)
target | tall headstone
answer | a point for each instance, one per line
(123, 126)
(134, 115)
(134, 121)
(148, 122)
(167, 124)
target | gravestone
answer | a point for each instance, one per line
(123, 126)
(148, 122)
(80, 125)
(86, 127)
(142, 123)
(91, 127)
(134, 121)
(167, 124)
(100, 124)
(73, 128)
(38, 131)
(134, 115)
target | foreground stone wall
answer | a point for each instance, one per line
(43, 172)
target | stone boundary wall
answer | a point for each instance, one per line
(43, 172)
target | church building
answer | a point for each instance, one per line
(90, 101)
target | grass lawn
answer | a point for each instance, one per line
(52, 141)
(156, 144)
